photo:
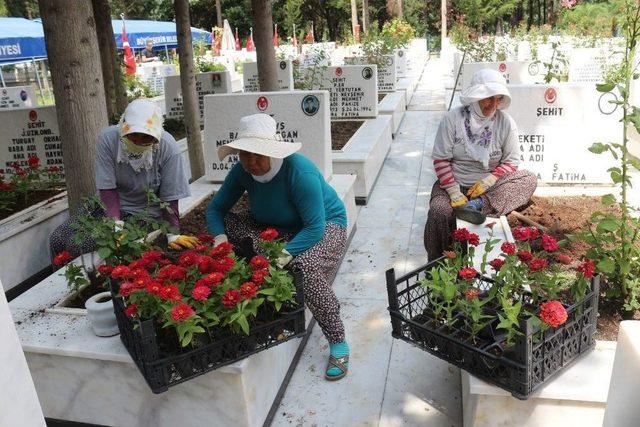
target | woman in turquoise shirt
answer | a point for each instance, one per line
(288, 192)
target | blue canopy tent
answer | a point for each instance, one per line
(162, 34)
(21, 40)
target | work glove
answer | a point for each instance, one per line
(457, 198)
(480, 187)
(178, 242)
(220, 238)
(284, 259)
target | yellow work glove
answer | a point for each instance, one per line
(457, 198)
(179, 242)
(284, 259)
(480, 187)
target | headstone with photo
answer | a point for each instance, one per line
(353, 91)
(301, 116)
(153, 73)
(386, 70)
(517, 72)
(28, 132)
(401, 63)
(206, 84)
(18, 97)
(284, 74)
(557, 124)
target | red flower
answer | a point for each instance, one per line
(34, 162)
(142, 282)
(201, 247)
(182, 312)
(537, 264)
(231, 298)
(587, 268)
(269, 234)
(508, 248)
(553, 313)
(140, 264)
(105, 270)
(464, 236)
(521, 234)
(206, 238)
(131, 310)
(449, 254)
(534, 233)
(201, 293)
(120, 272)
(468, 273)
(221, 251)
(5, 186)
(173, 273)
(564, 259)
(206, 264)
(259, 262)
(525, 256)
(154, 288)
(248, 290)
(188, 259)
(138, 273)
(472, 294)
(127, 289)
(170, 293)
(62, 258)
(224, 265)
(474, 239)
(211, 279)
(549, 244)
(496, 264)
(259, 276)
(152, 256)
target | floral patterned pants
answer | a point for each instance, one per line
(509, 193)
(318, 265)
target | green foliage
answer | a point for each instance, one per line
(75, 276)
(590, 19)
(136, 88)
(558, 66)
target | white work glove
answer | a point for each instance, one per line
(457, 198)
(284, 259)
(220, 238)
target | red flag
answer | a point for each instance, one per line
(295, 39)
(129, 59)
(309, 37)
(275, 37)
(238, 44)
(250, 46)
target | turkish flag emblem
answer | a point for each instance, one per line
(33, 115)
(262, 103)
(339, 71)
(550, 95)
(502, 67)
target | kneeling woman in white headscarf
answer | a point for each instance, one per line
(476, 155)
(288, 192)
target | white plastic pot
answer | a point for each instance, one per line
(101, 315)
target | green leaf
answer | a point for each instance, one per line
(242, 321)
(607, 265)
(608, 224)
(605, 87)
(104, 253)
(634, 118)
(608, 199)
(598, 148)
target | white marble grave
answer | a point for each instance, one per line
(386, 70)
(19, 405)
(18, 97)
(284, 75)
(353, 90)
(206, 84)
(302, 116)
(407, 86)
(394, 105)
(514, 72)
(153, 73)
(557, 124)
(288, 51)
(401, 63)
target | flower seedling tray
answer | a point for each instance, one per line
(162, 369)
(520, 369)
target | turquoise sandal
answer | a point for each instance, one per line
(342, 363)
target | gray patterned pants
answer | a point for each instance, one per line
(318, 264)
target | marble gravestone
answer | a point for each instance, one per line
(29, 132)
(516, 72)
(401, 63)
(153, 73)
(18, 97)
(587, 65)
(289, 51)
(386, 70)
(301, 116)
(206, 84)
(353, 90)
(557, 124)
(284, 74)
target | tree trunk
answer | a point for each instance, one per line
(219, 12)
(551, 17)
(77, 83)
(443, 20)
(354, 17)
(365, 16)
(263, 39)
(188, 84)
(102, 16)
(399, 12)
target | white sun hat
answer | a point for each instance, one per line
(486, 83)
(257, 134)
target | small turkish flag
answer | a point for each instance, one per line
(275, 37)
(238, 44)
(250, 46)
(129, 59)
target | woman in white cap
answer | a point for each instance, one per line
(476, 155)
(288, 192)
(133, 157)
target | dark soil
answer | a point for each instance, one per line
(341, 132)
(81, 298)
(194, 222)
(32, 199)
(566, 215)
(381, 97)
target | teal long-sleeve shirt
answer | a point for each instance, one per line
(297, 199)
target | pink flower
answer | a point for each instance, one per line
(182, 312)
(449, 254)
(201, 293)
(472, 294)
(553, 313)
(549, 244)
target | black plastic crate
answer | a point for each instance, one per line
(522, 368)
(162, 370)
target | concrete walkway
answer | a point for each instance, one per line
(390, 383)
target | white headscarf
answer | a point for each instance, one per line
(274, 167)
(140, 116)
